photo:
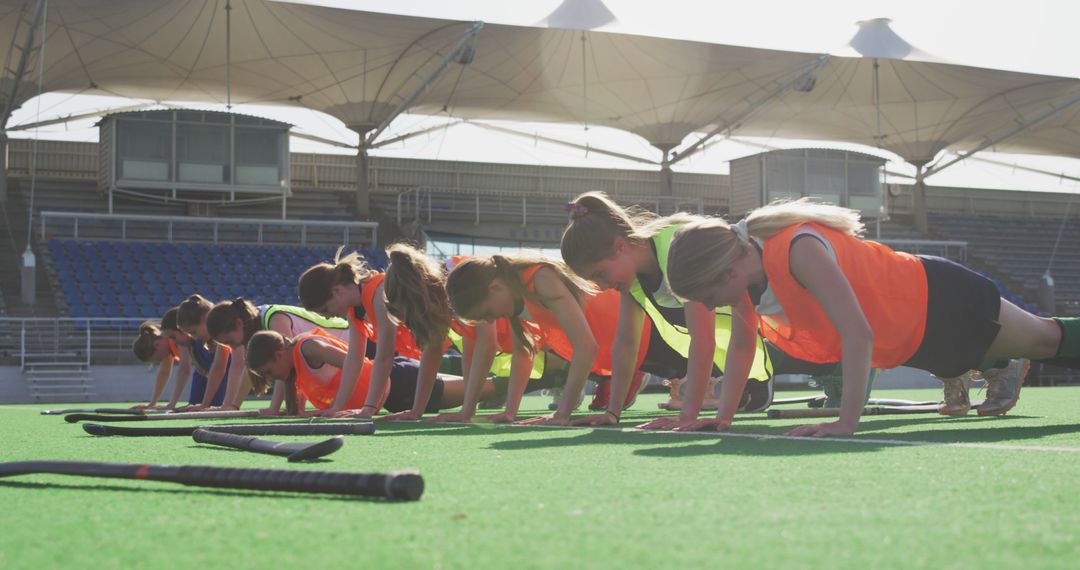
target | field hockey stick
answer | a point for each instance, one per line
(298, 428)
(808, 400)
(868, 411)
(118, 411)
(293, 451)
(72, 418)
(394, 486)
(892, 402)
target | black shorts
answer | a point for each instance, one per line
(663, 361)
(962, 311)
(784, 363)
(403, 379)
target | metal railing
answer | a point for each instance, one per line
(182, 228)
(428, 203)
(36, 340)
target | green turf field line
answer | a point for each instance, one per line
(764, 436)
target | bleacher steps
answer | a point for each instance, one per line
(59, 382)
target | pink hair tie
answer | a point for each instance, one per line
(576, 210)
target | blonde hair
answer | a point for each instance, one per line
(467, 285)
(260, 350)
(415, 291)
(596, 220)
(315, 283)
(702, 251)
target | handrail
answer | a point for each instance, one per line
(170, 221)
(409, 201)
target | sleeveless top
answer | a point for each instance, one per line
(601, 313)
(890, 287)
(320, 385)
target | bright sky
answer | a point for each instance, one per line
(1035, 36)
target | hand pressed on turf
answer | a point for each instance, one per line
(405, 416)
(269, 412)
(675, 423)
(451, 417)
(604, 419)
(548, 420)
(331, 413)
(823, 430)
(502, 418)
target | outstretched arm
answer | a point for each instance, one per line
(818, 271)
(483, 354)
(624, 355)
(182, 377)
(160, 380)
(571, 317)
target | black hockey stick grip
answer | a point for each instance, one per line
(395, 486)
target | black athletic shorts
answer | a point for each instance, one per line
(403, 379)
(664, 361)
(962, 312)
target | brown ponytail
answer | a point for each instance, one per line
(467, 285)
(221, 318)
(415, 290)
(144, 345)
(190, 313)
(315, 284)
(596, 220)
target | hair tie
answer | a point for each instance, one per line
(741, 231)
(575, 210)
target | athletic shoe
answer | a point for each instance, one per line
(1003, 387)
(956, 389)
(556, 396)
(757, 396)
(601, 396)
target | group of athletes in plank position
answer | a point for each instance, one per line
(790, 289)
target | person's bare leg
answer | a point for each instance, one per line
(453, 394)
(1024, 335)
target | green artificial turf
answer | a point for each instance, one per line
(500, 497)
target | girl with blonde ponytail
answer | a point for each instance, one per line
(349, 289)
(800, 273)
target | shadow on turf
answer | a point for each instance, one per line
(219, 448)
(255, 494)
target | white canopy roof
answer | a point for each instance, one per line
(362, 67)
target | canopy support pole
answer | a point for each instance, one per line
(1054, 110)
(803, 77)
(918, 201)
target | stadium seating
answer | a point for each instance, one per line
(114, 279)
(1018, 250)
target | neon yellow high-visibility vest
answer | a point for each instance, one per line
(325, 323)
(678, 337)
(501, 365)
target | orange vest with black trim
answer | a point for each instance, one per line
(404, 344)
(320, 385)
(890, 287)
(601, 314)
(175, 352)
